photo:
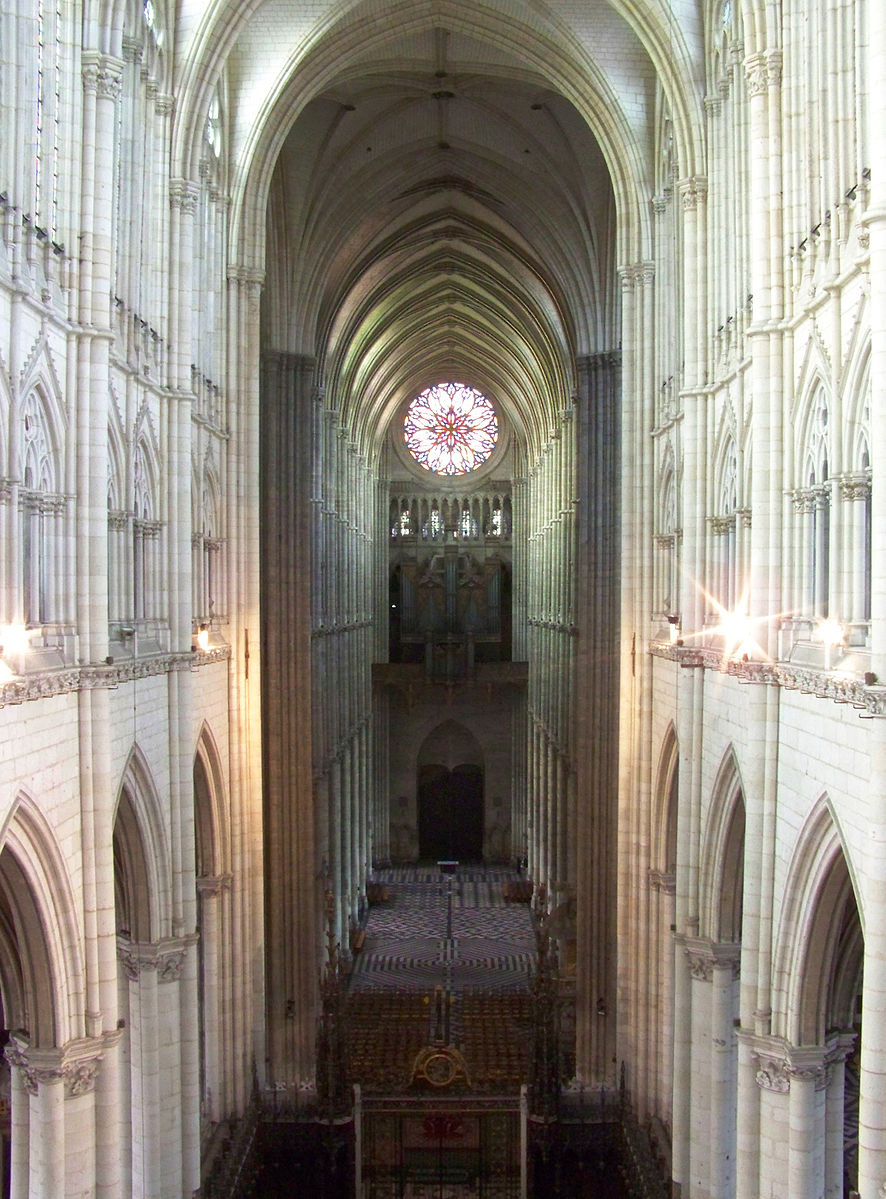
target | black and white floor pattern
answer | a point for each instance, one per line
(492, 945)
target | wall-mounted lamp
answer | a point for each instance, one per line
(674, 627)
(16, 641)
(832, 636)
(203, 638)
(601, 1006)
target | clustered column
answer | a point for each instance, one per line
(550, 631)
(594, 781)
(346, 500)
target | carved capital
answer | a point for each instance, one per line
(76, 1065)
(80, 1076)
(101, 76)
(660, 880)
(756, 74)
(133, 50)
(214, 884)
(184, 196)
(855, 487)
(165, 957)
(705, 956)
(637, 274)
(772, 1075)
(701, 966)
(249, 277)
(803, 499)
(17, 1056)
(693, 192)
(774, 68)
(170, 966)
(722, 524)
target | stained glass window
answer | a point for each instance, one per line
(450, 429)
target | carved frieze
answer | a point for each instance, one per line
(43, 684)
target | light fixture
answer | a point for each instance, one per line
(674, 627)
(16, 640)
(832, 636)
(203, 638)
(830, 631)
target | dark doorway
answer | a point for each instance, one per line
(450, 813)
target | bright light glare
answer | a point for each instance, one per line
(737, 630)
(830, 631)
(734, 628)
(15, 639)
(203, 639)
(5, 673)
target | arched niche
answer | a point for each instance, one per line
(722, 874)
(132, 896)
(449, 790)
(831, 955)
(26, 976)
(213, 927)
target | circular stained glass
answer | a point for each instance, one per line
(450, 429)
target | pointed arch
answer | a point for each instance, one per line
(722, 859)
(141, 855)
(210, 807)
(666, 792)
(819, 942)
(39, 374)
(146, 479)
(42, 983)
(667, 589)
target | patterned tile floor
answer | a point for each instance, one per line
(406, 948)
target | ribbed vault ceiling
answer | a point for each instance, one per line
(438, 221)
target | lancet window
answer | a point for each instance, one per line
(42, 509)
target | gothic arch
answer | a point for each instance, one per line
(819, 946)
(117, 499)
(855, 425)
(814, 453)
(209, 807)
(141, 856)
(449, 792)
(214, 965)
(721, 883)
(42, 984)
(451, 744)
(665, 848)
(350, 38)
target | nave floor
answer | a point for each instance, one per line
(430, 973)
(491, 946)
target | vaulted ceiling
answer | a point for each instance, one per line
(438, 210)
